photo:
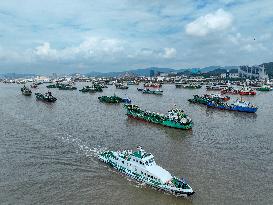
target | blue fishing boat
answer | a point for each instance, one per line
(238, 105)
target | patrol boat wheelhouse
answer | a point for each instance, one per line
(142, 167)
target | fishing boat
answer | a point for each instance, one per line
(133, 83)
(85, 89)
(121, 86)
(238, 105)
(175, 118)
(152, 85)
(155, 92)
(141, 166)
(98, 87)
(67, 87)
(34, 85)
(247, 91)
(47, 97)
(92, 89)
(264, 88)
(110, 99)
(221, 97)
(26, 91)
(57, 85)
(230, 90)
(192, 86)
(205, 99)
(179, 84)
(214, 87)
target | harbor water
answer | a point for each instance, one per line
(48, 151)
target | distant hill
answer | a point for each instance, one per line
(16, 75)
(146, 71)
(138, 72)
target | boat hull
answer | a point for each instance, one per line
(247, 93)
(152, 92)
(264, 89)
(26, 94)
(233, 108)
(166, 123)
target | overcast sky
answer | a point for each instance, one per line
(64, 36)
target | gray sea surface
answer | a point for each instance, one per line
(48, 151)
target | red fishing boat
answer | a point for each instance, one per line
(247, 91)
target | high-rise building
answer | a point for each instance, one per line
(152, 73)
(253, 72)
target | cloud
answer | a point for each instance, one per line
(169, 53)
(45, 51)
(249, 44)
(211, 22)
(112, 35)
(90, 48)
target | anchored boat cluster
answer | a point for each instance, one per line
(139, 164)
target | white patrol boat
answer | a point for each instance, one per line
(141, 166)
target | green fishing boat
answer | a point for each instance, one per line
(205, 99)
(98, 88)
(264, 88)
(47, 97)
(111, 99)
(53, 85)
(192, 86)
(199, 100)
(91, 89)
(175, 118)
(67, 87)
(26, 91)
(85, 89)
